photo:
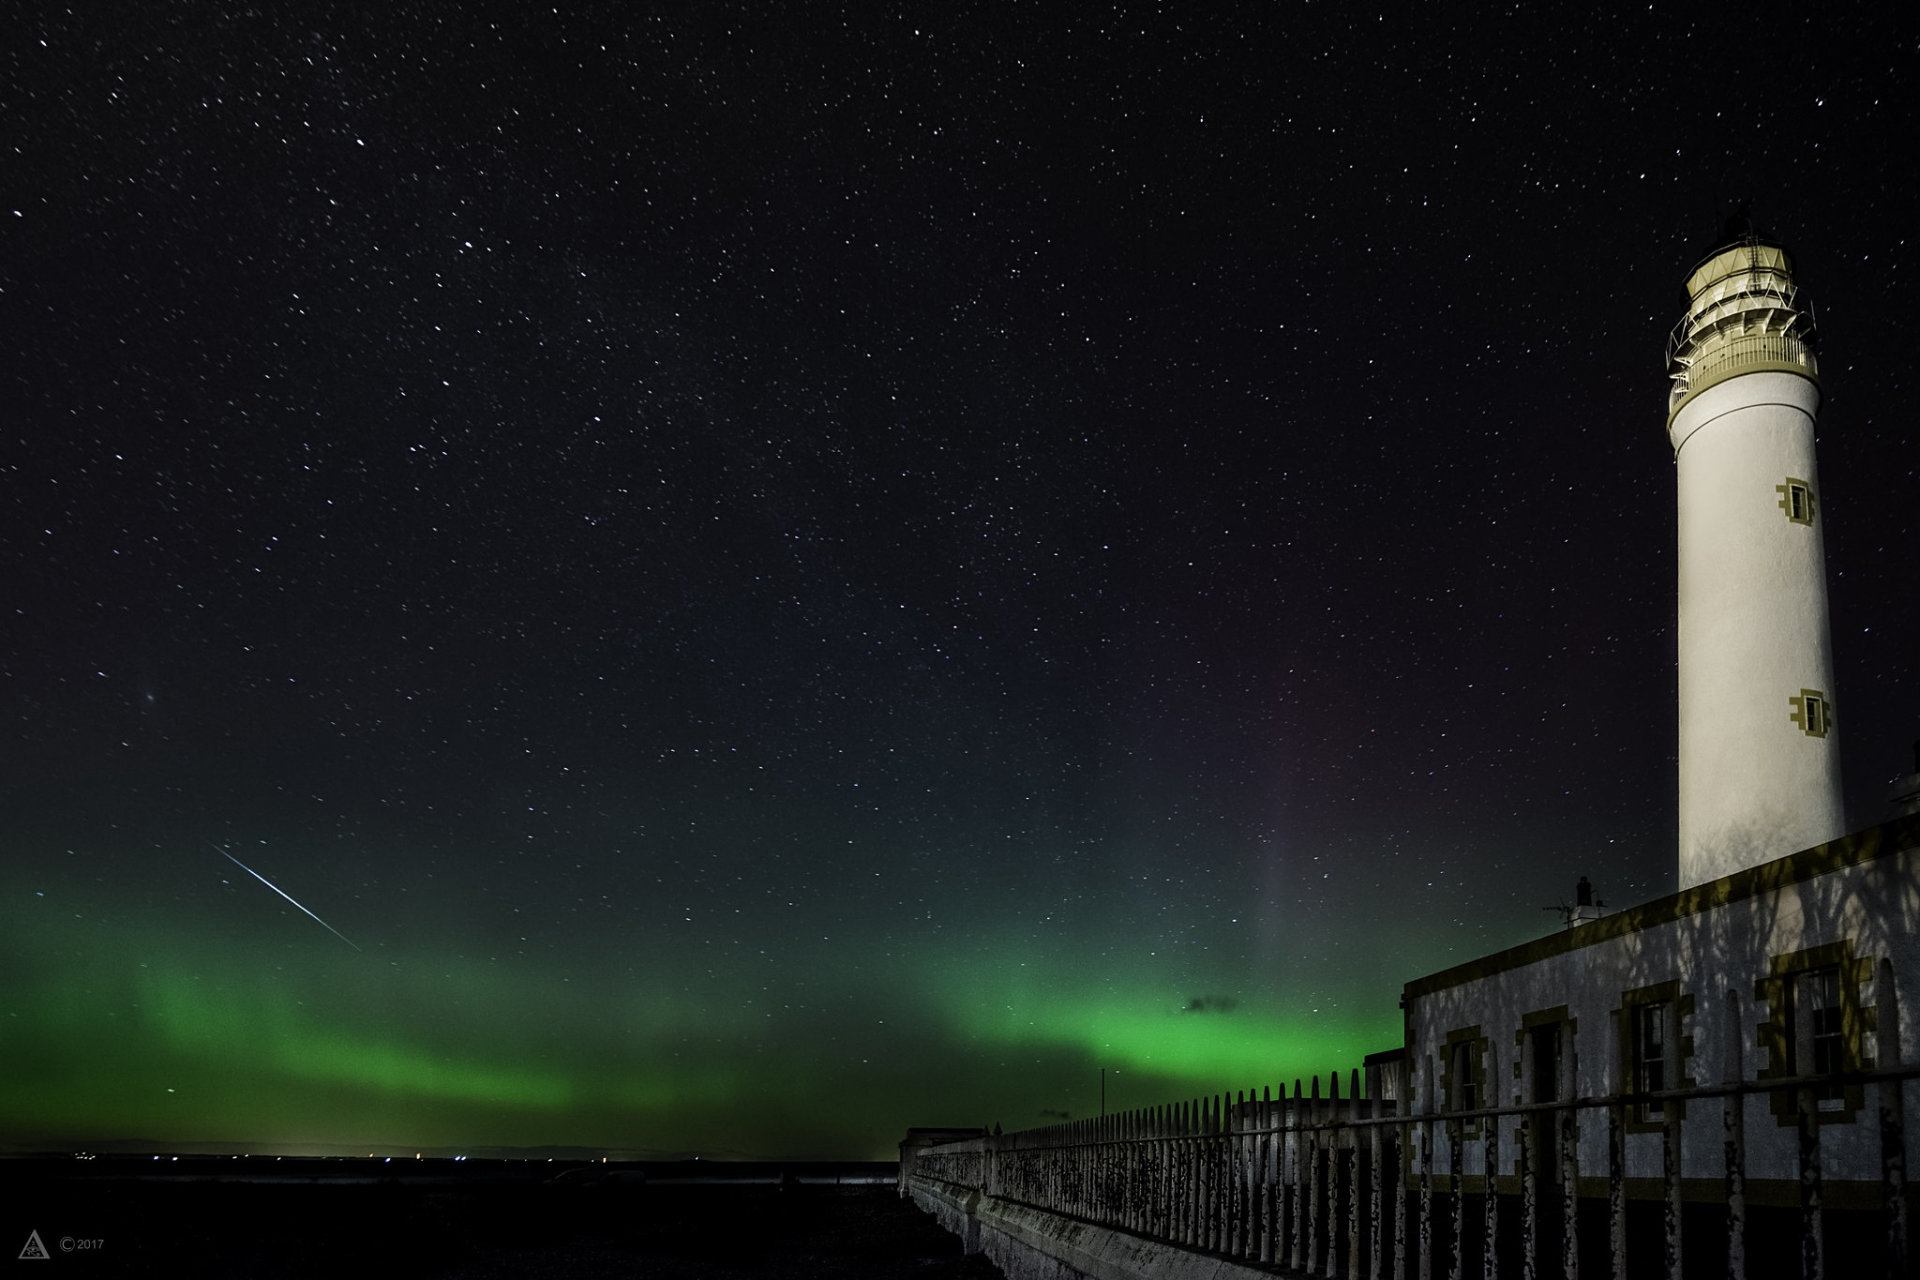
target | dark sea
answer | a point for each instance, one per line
(263, 1219)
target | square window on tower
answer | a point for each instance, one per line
(1811, 712)
(1796, 499)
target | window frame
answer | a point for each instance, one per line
(1558, 1023)
(1796, 487)
(1464, 1045)
(1652, 1044)
(1674, 1008)
(1550, 1033)
(1787, 1036)
(1812, 712)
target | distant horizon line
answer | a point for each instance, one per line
(57, 1149)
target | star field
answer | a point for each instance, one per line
(789, 575)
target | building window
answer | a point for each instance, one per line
(1817, 1024)
(1465, 1096)
(1650, 1055)
(1812, 712)
(1463, 1075)
(1820, 1018)
(1545, 1043)
(1543, 1040)
(1654, 1051)
(1796, 499)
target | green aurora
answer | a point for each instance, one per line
(169, 1036)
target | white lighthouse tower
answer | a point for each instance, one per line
(1759, 764)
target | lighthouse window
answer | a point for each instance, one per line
(1812, 713)
(1796, 499)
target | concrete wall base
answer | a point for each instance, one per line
(1032, 1244)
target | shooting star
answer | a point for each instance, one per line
(282, 892)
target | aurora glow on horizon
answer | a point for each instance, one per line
(787, 580)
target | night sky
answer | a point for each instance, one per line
(787, 572)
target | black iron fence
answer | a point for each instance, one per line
(1347, 1187)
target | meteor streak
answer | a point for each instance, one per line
(282, 892)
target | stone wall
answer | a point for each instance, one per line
(1032, 1244)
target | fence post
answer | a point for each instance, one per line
(1316, 1221)
(1893, 1123)
(1617, 1189)
(1402, 1167)
(1092, 1160)
(1171, 1196)
(1126, 1167)
(1426, 1167)
(1175, 1196)
(1813, 1262)
(1139, 1161)
(1282, 1177)
(1113, 1194)
(1456, 1139)
(1220, 1177)
(1163, 1201)
(1193, 1214)
(1213, 1228)
(1202, 1192)
(1567, 1125)
(1355, 1183)
(1490, 1162)
(1236, 1176)
(1330, 1221)
(1426, 1200)
(1376, 1188)
(1670, 1176)
(1202, 1166)
(1254, 1163)
(1242, 1178)
(1733, 1120)
(1222, 1166)
(1093, 1170)
(1277, 1192)
(1148, 1125)
(1249, 1178)
(1192, 1168)
(1296, 1191)
(1529, 1197)
(1156, 1171)
(1263, 1176)
(1223, 1173)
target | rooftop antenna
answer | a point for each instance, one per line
(1585, 906)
